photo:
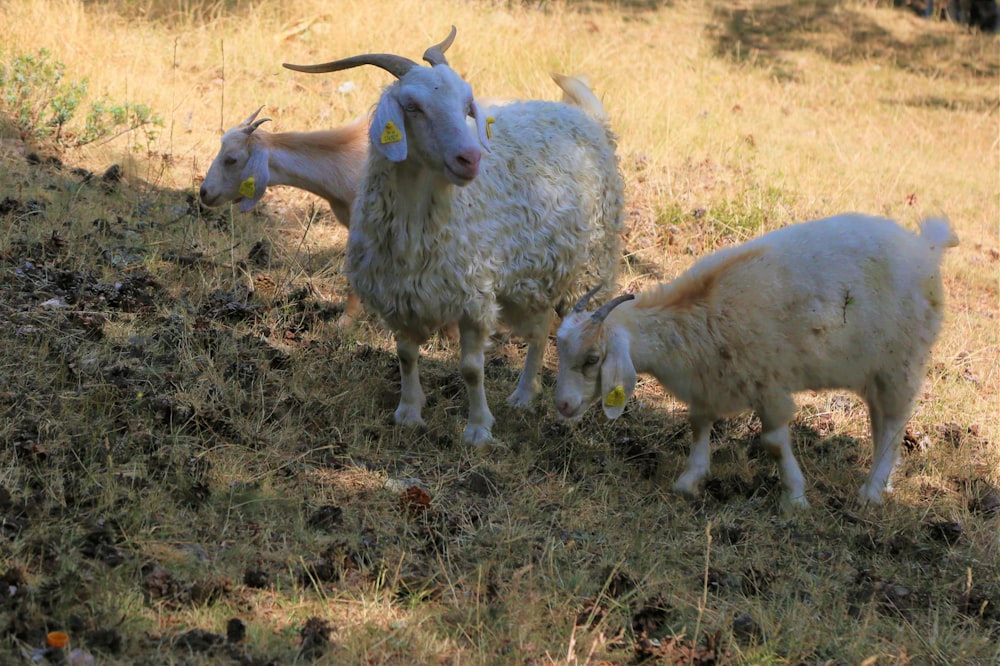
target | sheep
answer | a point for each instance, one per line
(847, 302)
(327, 163)
(441, 233)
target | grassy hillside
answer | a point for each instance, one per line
(199, 466)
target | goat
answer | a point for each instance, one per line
(847, 302)
(441, 233)
(327, 163)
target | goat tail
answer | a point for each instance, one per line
(577, 92)
(937, 233)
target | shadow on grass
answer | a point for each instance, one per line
(764, 33)
(603, 5)
(971, 104)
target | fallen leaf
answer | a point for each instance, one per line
(415, 500)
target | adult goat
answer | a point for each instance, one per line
(441, 233)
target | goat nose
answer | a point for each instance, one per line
(470, 158)
(203, 192)
(564, 407)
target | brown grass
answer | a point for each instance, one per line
(192, 440)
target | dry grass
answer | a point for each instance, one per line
(193, 441)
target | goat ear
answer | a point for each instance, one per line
(388, 130)
(617, 380)
(482, 124)
(253, 180)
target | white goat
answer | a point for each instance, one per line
(847, 302)
(442, 234)
(327, 163)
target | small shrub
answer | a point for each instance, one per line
(39, 103)
(35, 98)
(105, 119)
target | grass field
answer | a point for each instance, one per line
(198, 466)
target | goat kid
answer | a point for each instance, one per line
(847, 302)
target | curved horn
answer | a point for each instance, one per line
(601, 313)
(582, 303)
(394, 64)
(253, 116)
(435, 54)
(249, 128)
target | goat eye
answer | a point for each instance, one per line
(229, 161)
(412, 108)
(591, 360)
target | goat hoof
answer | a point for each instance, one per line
(869, 496)
(686, 488)
(791, 505)
(408, 415)
(476, 435)
(520, 401)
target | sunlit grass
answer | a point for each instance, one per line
(172, 452)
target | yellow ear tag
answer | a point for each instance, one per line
(247, 188)
(391, 133)
(489, 126)
(615, 397)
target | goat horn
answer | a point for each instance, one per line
(253, 116)
(251, 127)
(582, 303)
(394, 64)
(435, 54)
(601, 313)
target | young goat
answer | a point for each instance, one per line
(441, 233)
(847, 302)
(327, 163)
